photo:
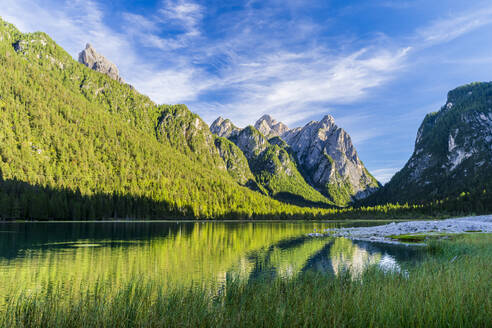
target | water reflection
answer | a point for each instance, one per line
(76, 255)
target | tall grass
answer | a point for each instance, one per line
(450, 288)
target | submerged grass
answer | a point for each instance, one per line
(450, 288)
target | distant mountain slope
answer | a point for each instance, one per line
(453, 150)
(272, 164)
(224, 128)
(330, 162)
(75, 143)
(321, 153)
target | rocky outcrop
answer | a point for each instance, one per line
(273, 167)
(270, 127)
(320, 151)
(329, 160)
(250, 141)
(90, 58)
(235, 161)
(453, 150)
(224, 128)
(263, 156)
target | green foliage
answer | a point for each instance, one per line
(340, 193)
(76, 144)
(275, 169)
(75, 137)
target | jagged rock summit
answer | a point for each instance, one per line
(270, 127)
(323, 152)
(224, 128)
(329, 160)
(97, 62)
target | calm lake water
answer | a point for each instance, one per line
(183, 253)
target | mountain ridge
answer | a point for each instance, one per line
(323, 153)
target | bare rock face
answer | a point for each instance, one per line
(251, 142)
(329, 159)
(236, 163)
(224, 128)
(323, 153)
(270, 127)
(453, 151)
(90, 58)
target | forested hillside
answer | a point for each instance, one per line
(453, 151)
(75, 143)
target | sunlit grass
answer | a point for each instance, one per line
(450, 288)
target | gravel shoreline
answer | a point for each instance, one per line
(381, 233)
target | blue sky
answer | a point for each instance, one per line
(377, 66)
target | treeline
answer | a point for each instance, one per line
(475, 202)
(20, 200)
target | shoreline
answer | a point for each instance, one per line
(382, 233)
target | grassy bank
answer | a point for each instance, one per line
(450, 288)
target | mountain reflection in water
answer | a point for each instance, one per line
(76, 255)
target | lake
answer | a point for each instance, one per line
(72, 255)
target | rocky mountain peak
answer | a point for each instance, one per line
(323, 151)
(328, 119)
(224, 128)
(270, 127)
(97, 62)
(330, 161)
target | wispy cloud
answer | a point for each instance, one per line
(384, 175)
(284, 83)
(72, 24)
(258, 73)
(183, 14)
(449, 28)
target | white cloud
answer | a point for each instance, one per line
(258, 72)
(384, 175)
(183, 14)
(452, 27)
(171, 86)
(292, 86)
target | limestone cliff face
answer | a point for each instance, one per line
(224, 128)
(262, 155)
(453, 150)
(274, 169)
(270, 127)
(321, 152)
(235, 161)
(329, 160)
(97, 62)
(250, 141)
